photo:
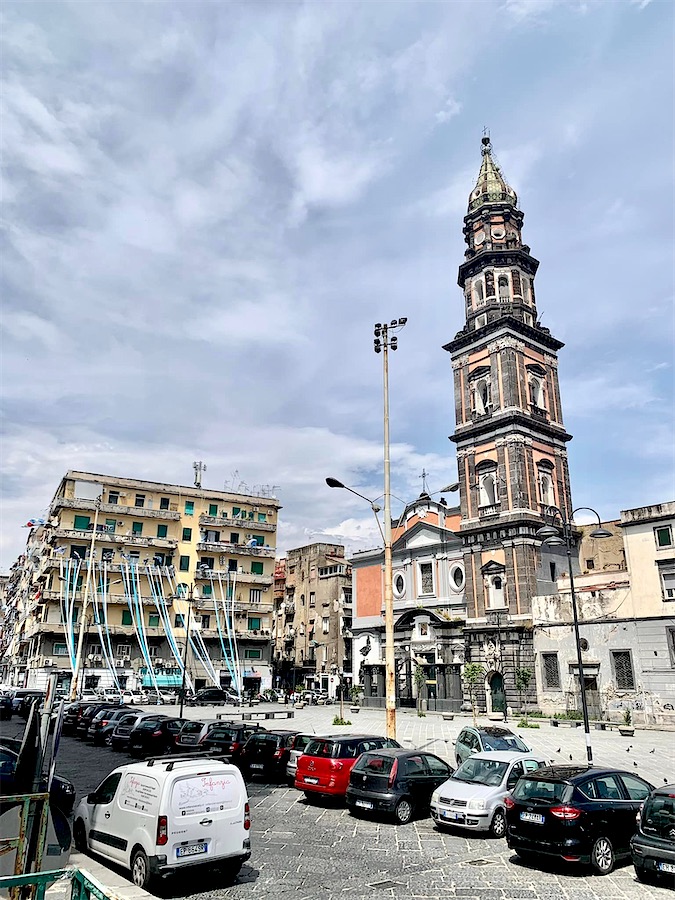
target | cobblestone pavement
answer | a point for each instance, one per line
(308, 851)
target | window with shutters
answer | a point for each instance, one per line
(426, 578)
(670, 636)
(515, 280)
(623, 670)
(663, 535)
(551, 671)
(81, 523)
(213, 510)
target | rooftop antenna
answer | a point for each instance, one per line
(199, 468)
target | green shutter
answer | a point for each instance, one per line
(256, 568)
(187, 534)
(110, 525)
(254, 624)
(189, 507)
(262, 517)
(137, 528)
(213, 510)
(153, 620)
(184, 564)
(259, 539)
(206, 590)
(82, 523)
(162, 531)
(126, 617)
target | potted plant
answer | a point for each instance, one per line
(355, 692)
(627, 730)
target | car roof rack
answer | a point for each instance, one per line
(186, 757)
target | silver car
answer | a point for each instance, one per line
(297, 748)
(473, 797)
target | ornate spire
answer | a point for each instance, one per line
(491, 186)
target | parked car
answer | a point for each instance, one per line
(653, 844)
(87, 717)
(157, 818)
(110, 695)
(581, 815)
(191, 733)
(90, 697)
(294, 753)
(265, 754)
(213, 697)
(473, 739)
(396, 782)
(119, 739)
(23, 699)
(473, 797)
(62, 793)
(6, 709)
(104, 727)
(324, 767)
(131, 697)
(161, 698)
(155, 736)
(228, 737)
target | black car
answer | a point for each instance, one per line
(653, 845)
(581, 815)
(23, 700)
(155, 736)
(87, 716)
(62, 793)
(6, 709)
(71, 716)
(119, 739)
(211, 697)
(265, 753)
(396, 782)
(104, 722)
(229, 737)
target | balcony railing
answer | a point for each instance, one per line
(249, 524)
(238, 549)
(117, 509)
(492, 509)
(234, 577)
(113, 537)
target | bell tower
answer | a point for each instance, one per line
(510, 437)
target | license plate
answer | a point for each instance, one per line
(532, 817)
(364, 804)
(310, 779)
(666, 867)
(191, 850)
(257, 766)
(457, 817)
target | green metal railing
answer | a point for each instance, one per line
(83, 886)
(28, 841)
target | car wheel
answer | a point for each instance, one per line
(231, 869)
(645, 876)
(602, 856)
(498, 824)
(527, 856)
(140, 869)
(403, 812)
(80, 836)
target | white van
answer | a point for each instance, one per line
(163, 815)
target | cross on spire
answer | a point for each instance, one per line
(424, 477)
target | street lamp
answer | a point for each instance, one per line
(562, 536)
(190, 598)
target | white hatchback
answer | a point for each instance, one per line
(161, 816)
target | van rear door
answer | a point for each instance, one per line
(206, 818)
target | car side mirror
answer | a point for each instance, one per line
(473, 750)
(92, 799)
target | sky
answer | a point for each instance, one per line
(207, 206)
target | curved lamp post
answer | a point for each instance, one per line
(562, 535)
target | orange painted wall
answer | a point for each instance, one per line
(368, 590)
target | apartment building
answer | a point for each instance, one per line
(313, 618)
(625, 595)
(123, 573)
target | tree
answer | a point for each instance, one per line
(472, 676)
(523, 678)
(419, 677)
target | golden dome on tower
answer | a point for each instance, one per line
(491, 186)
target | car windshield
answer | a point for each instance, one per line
(481, 771)
(503, 742)
(222, 734)
(373, 764)
(658, 816)
(540, 791)
(324, 749)
(148, 724)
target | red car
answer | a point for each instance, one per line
(324, 767)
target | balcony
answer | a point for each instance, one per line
(112, 537)
(489, 511)
(110, 597)
(234, 577)
(250, 524)
(238, 549)
(117, 509)
(245, 634)
(538, 412)
(289, 608)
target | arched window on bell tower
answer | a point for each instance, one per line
(504, 295)
(545, 483)
(478, 292)
(480, 380)
(536, 383)
(487, 483)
